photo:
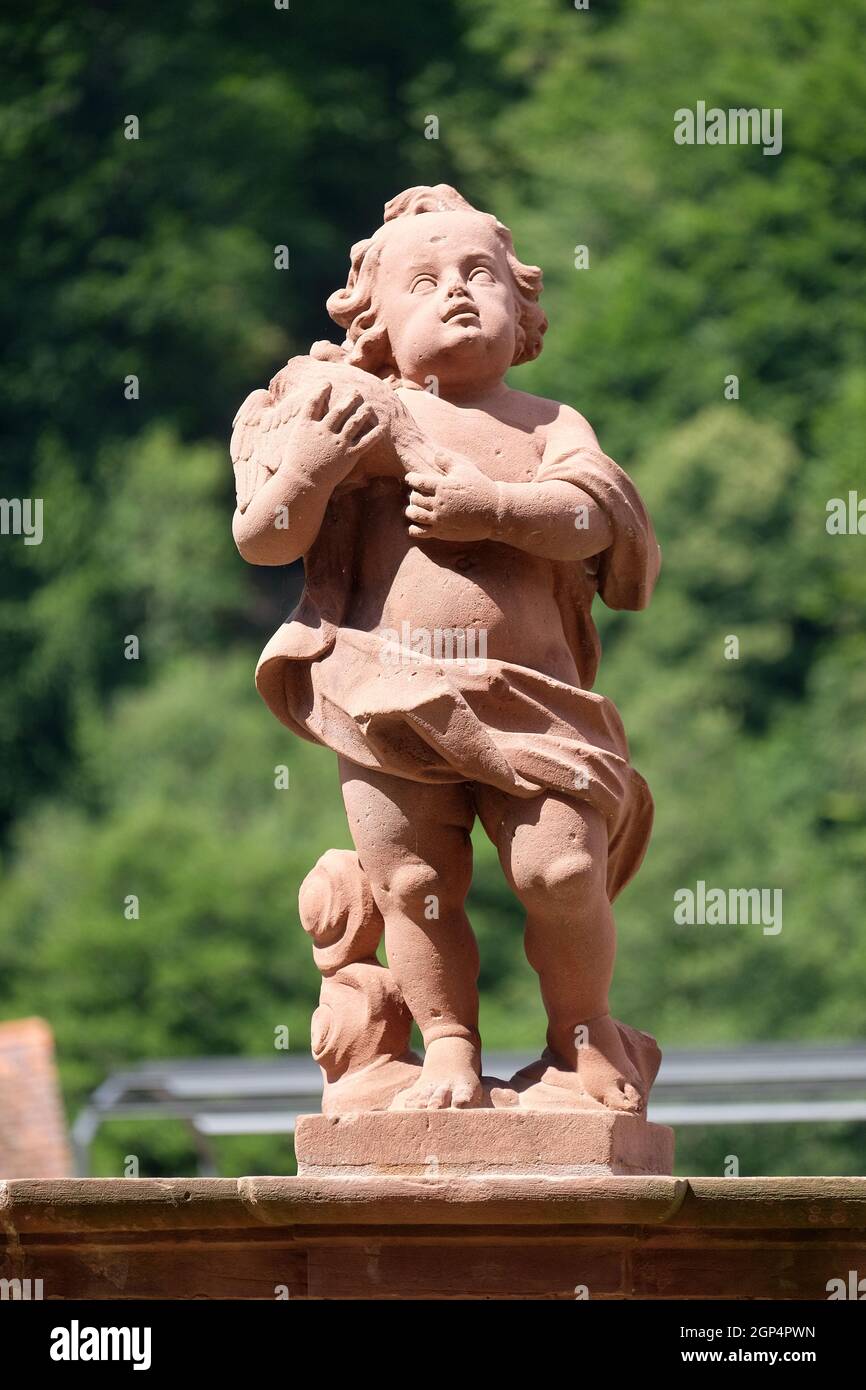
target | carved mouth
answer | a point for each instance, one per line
(461, 311)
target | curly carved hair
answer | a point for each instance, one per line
(366, 344)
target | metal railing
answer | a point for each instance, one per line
(763, 1083)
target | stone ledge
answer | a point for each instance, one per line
(117, 1205)
(398, 1238)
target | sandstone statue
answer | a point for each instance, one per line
(454, 533)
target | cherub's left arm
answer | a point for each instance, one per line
(553, 517)
(580, 504)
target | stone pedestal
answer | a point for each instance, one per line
(468, 1143)
(433, 1237)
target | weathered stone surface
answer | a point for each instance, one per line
(401, 1238)
(815, 1203)
(472, 1142)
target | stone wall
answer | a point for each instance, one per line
(267, 1238)
(33, 1142)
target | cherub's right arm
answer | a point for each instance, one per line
(324, 441)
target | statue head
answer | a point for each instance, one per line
(438, 294)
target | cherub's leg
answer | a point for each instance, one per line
(554, 853)
(413, 843)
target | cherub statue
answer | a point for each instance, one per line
(454, 533)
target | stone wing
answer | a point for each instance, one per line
(260, 433)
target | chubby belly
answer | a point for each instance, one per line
(476, 598)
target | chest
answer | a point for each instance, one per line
(501, 450)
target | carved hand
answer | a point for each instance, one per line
(333, 428)
(454, 501)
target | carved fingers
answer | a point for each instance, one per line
(421, 511)
(341, 408)
(337, 421)
(425, 501)
(350, 417)
(457, 503)
(363, 428)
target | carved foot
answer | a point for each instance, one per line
(612, 1066)
(449, 1078)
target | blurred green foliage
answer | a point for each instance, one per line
(155, 257)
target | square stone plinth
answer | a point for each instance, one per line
(463, 1143)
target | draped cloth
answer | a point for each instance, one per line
(466, 720)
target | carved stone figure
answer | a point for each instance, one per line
(454, 533)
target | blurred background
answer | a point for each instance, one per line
(155, 258)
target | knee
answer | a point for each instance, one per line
(421, 891)
(568, 883)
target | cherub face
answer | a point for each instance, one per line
(445, 293)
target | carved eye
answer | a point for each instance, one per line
(422, 284)
(482, 276)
